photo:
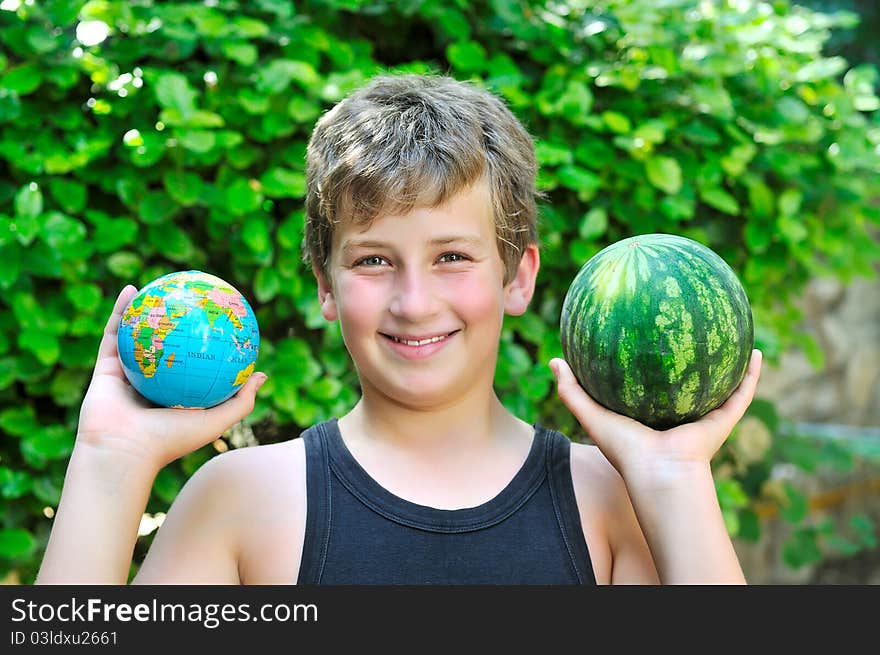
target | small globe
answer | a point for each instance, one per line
(188, 339)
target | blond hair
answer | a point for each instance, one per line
(405, 141)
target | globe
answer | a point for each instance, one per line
(188, 339)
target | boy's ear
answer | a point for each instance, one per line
(519, 291)
(325, 295)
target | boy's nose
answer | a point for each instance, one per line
(414, 296)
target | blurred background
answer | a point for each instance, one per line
(142, 138)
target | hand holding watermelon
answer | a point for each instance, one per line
(668, 480)
(637, 450)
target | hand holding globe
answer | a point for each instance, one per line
(114, 415)
(188, 339)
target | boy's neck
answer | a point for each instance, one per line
(447, 458)
(472, 424)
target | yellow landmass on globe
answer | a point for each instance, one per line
(243, 374)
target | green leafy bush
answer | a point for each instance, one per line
(177, 142)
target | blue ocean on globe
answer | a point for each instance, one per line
(188, 339)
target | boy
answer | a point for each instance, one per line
(421, 233)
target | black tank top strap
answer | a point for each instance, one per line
(565, 504)
(318, 506)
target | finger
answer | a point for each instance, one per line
(203, 426)
(592, 416)
(107, 349)
(733, 409)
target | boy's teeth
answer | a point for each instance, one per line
(422, 342)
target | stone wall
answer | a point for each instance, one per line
(846, 322)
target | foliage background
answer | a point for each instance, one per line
(177, 142)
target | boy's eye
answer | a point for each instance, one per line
(372, 260)
(453, 257)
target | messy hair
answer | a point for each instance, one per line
(406, 141)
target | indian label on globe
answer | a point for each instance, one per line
(188, 339)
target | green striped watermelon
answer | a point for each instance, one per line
(657, 327)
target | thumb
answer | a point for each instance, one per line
(239, 405)
(203, 426)
(592, 416)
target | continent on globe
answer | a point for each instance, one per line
(188, 339)
(657, 327)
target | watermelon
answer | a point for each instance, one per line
(657, 327)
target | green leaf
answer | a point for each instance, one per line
(70, 195)
(553, 154)
(284, 183)
(200, 141)
(664, 173)
(760, 198)
(240, 52)
(124, 265)
(801, 549)
(594, 223)
(303, 110)
(85, 296)
(325, 389)
(16, 542)
(29, 201)
(14, 484)
(10, 106)
(22, 79)
(256, 234)
(790, 202)
(63, 233)
(617, 122)
(822, 68)
(173, 91)
(183, 186)
(579, 179)
(720, 200)
(242, 196)
(172, 242)
(111, 234)
(157, 207)
(47, 443)
(47, 489)
(289, 233)
(267, 284)
(796, 508)
(167, 484)
(467, 56)
(791, 229)
(276, 77)
(731, 493)
(68, 386)
(43, 344)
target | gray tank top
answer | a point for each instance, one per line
(359, 533)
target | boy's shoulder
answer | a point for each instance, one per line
(264, 487)
(259, 466)
(609, 521)
(593, 475)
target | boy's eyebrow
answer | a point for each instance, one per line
(473, 241)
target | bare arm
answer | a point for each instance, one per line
(669, 482)
(122, 442)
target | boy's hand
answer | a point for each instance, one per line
(653, 456)
(114, 416)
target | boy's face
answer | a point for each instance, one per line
(421, 297)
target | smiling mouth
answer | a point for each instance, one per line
(410, 341)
